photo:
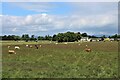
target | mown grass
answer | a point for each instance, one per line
(61, 61)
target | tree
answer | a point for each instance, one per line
(54, 38)
(0, 37)
(41, 38)
(32, 37)
(25, 37)
(78, 32)
(47, 37)
(4, 37)
(103, 36)
(10, 37)
(60, 37)
(71, 36)
(118, 36)
(78, 35)
(84, 34)
(67, 37)
(114, 36)
(93, 36)
(17, 38)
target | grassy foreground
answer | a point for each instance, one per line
(61, 60)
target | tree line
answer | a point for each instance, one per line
(60, 37)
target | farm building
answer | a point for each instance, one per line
(85, 39)
(115, 39)
(118, 39)
(112, 39)
(95, 39)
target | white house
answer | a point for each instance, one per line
(95, 39)
(112, 39)
(85, 39)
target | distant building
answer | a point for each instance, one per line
(84, 39)
(118, 39)
(95, 39)
(112, 39)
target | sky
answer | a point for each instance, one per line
(48, 18)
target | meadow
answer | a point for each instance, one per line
(60, 60)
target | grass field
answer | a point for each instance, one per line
(61, 61)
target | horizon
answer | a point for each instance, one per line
(56, 34)
(49, 18)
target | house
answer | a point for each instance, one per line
(85, 39)
(95, 39)
(118, 39)
(112, 39)
(90, 39)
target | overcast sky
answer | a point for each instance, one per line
(43, 18)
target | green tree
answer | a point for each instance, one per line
(9, 37)
(4, 37)
(78, 35)
(84, 34)
(114, 36)
(25, 37)
(16, 38)
(103, 36)
(60, 37)
(41, 38)
(67, 37)
(118, 36)
(54, 38)
(47, 37)
(32, 37)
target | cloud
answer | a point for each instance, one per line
(93, 18)
(48, 23)
(93, 8)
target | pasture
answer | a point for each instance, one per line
(60, 60)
